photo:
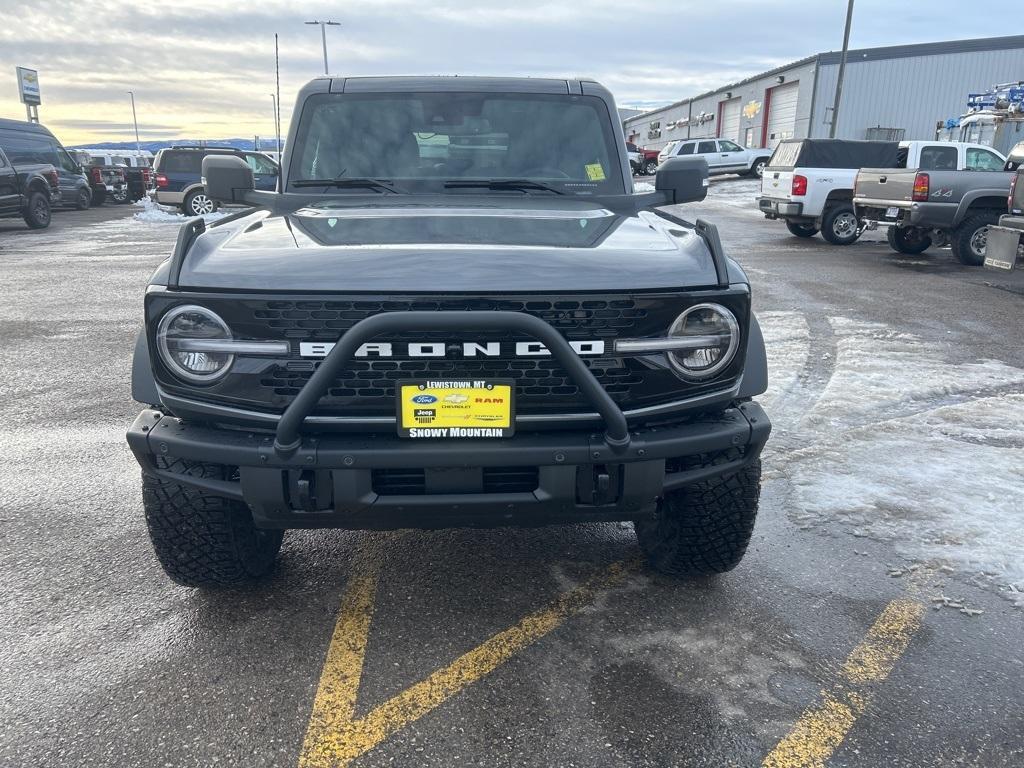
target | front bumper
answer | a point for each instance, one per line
(386, 482)
(773, 208)
(164, 197)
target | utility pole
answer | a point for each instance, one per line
(323, 34)
(277, 99)
(273, 100)
(138, 147)
(842, 72)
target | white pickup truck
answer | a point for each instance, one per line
(809, 182)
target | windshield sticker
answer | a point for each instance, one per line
(595, 172)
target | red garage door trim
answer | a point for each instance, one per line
(764, 115)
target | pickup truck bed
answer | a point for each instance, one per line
(933, 207)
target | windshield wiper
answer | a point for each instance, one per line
(521, 185)
(382, 184)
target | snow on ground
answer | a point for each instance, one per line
(907, 445)
(737, 191)
(164, 214)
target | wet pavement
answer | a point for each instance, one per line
(875, 621)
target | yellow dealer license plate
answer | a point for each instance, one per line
(456, 408)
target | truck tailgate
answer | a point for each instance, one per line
(777, 182)
(892, 185)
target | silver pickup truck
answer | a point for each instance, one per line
(923, 207)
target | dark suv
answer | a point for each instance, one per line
(457, 311)
(179, 176)
(31, 144)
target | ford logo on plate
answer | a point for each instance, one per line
(424, 399)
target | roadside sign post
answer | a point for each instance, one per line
(28, 90)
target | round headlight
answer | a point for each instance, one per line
(715, 336)
(181, 338)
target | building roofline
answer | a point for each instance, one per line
(973, 45)
(857, 55)
(737, 84)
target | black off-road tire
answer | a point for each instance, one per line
(839, 225)
(962, 237)
(37, 213)
(83, 199)
(650, 167)
(705, 528)
(801, 230)
(908, 240)
(203, 540)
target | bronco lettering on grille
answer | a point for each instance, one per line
(455, 349)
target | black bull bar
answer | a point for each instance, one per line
(288, 438)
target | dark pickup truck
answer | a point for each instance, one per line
(934, 207)
(28, 191)
(104, 180)
(445, 322)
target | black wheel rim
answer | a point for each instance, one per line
(41, 211)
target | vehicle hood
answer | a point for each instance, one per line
(465, 245)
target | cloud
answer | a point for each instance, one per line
(208, 69)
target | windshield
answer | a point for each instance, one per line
(421, 141)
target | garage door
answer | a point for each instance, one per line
(729, 128)
(782, 113)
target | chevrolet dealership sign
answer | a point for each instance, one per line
(28, 86)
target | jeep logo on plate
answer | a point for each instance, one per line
(424, 399)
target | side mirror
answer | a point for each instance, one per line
(227, 178)
(683, 179)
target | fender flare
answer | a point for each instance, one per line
(963, 210)
(755, 366)
(143, 384)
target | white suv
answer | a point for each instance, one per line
(722, 155)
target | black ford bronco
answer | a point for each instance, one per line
(456, 311)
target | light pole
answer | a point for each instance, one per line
(323, 35)
(841, 73)
(277, 131)
(135, 120)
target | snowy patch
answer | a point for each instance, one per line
(787, 339)
(164, 214)
(643, 186)
(737, 192)
(905, 445)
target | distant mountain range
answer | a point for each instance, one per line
(153, 146)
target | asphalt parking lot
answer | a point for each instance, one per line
(876, 621)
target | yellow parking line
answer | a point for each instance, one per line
(335, 737)
(335, 702)
(822, 728)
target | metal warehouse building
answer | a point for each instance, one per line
(896, 92)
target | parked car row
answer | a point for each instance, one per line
(923, 192)
(179, 176)
(76, 179)
(722, 156)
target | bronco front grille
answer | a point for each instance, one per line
(367, 386)
(534, 378)
(326, 320)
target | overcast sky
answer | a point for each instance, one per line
(206, 70)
